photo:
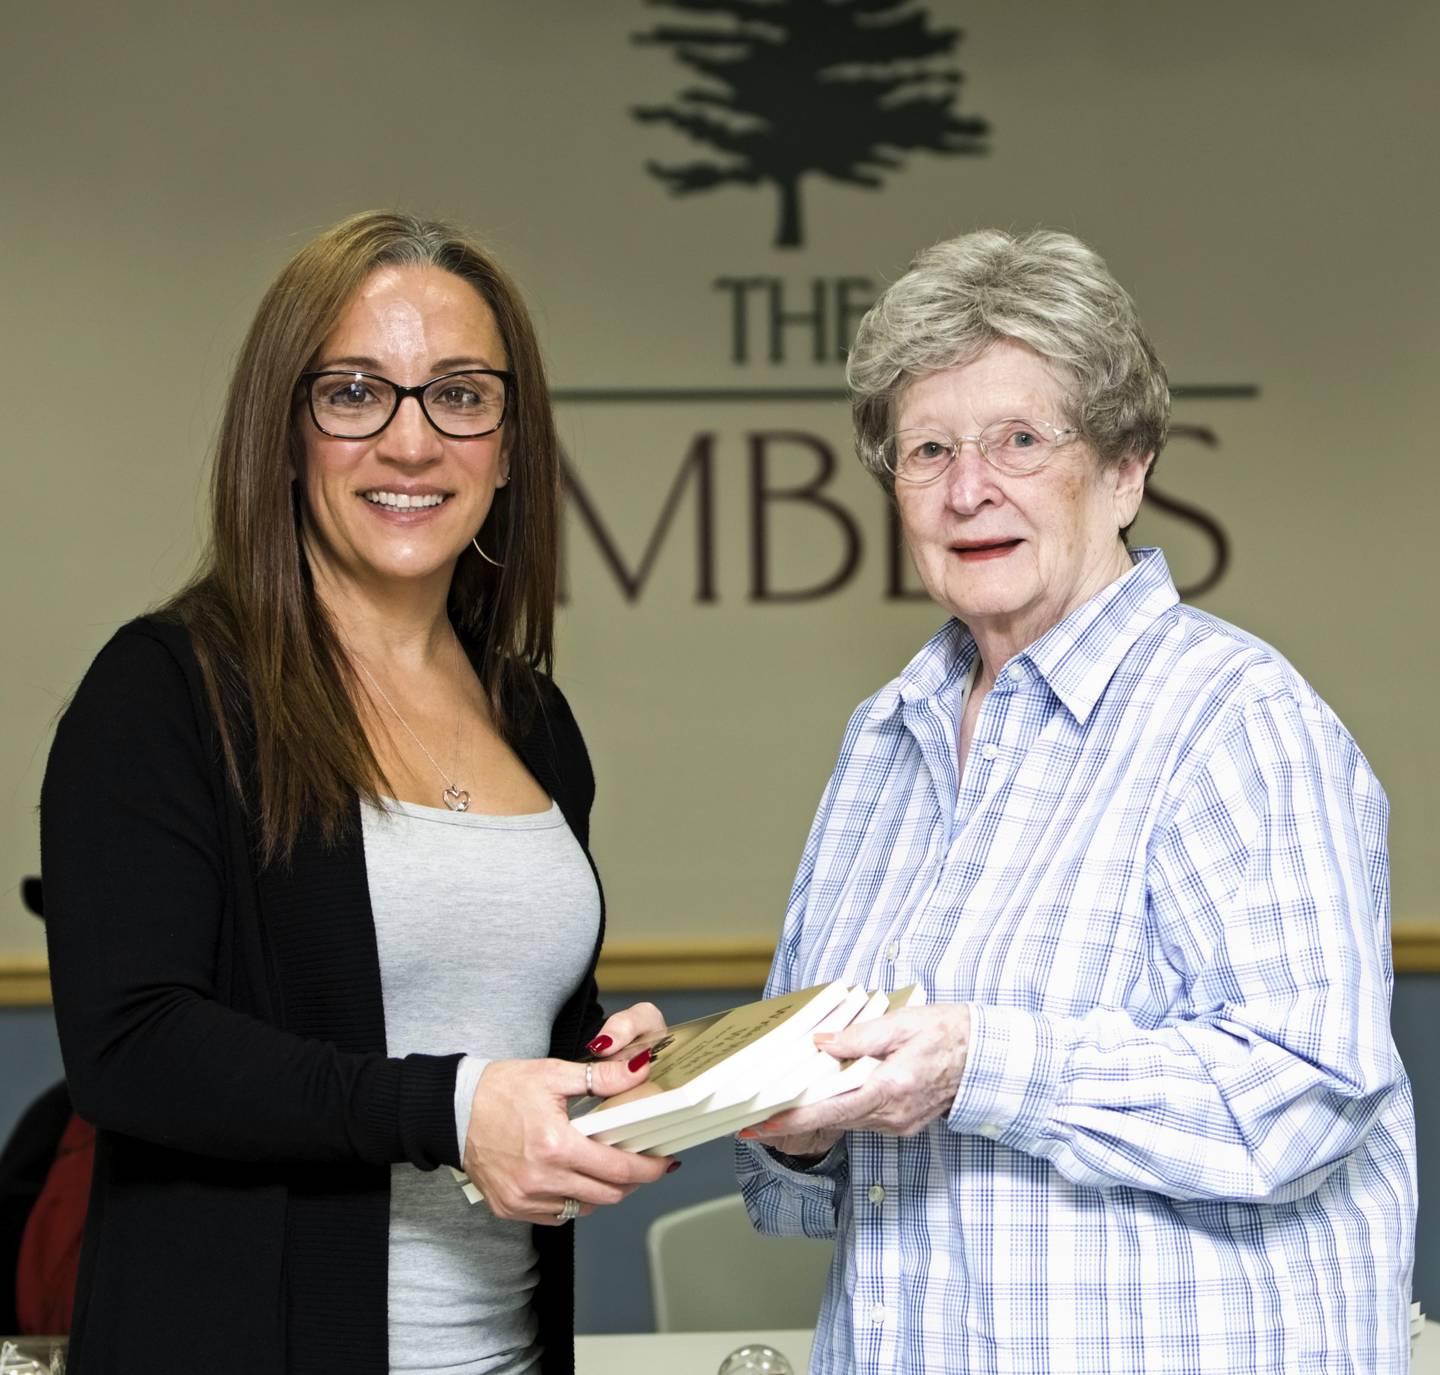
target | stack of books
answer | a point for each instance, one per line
(713, 1076)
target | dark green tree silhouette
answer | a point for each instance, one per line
(839, 88)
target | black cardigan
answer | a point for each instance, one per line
(222, 1026)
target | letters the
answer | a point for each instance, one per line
(829, 316)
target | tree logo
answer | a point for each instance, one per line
(837, 88)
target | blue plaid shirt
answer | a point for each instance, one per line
(1183, 1140)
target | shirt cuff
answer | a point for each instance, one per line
(783, 1201)
(467, 1077)
(1012, 1076)
(815, 1186)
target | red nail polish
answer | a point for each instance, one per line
(749, 1134)
(599, 1045)
(639, 1062)
(672, 1166)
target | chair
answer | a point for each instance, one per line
(711, 1271)
(24, 1164)
(1425, 1354)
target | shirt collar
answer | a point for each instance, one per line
(1077, 657)
(937, 668)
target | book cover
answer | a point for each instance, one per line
(694, 1060)
(821, 1077)
(791, 1065)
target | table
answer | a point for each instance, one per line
(700, 1353)
(682, 1353)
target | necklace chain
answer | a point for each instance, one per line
(454, 797)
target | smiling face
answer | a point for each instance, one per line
(399, 507)
(1011, 556)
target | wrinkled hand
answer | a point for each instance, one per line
(639, 1022)
(922, 1054)
(524, 1156)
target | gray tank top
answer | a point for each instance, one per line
(485, 925)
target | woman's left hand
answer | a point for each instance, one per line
(639, 1022)
(922, 1054)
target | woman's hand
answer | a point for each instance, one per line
(922, 1054)
(522, 1153)
(639, 1022)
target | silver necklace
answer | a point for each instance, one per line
(455, 797)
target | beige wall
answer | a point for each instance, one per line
(1261, 176)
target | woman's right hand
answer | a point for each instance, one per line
(522, 1153)
(637, 1025)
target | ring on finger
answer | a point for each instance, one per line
(590, 1080)
(570, 1210)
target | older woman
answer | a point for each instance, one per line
(1151, 1117)
(318, 829)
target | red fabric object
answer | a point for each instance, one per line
(50, 1249)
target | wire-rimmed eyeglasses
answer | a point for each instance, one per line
(358, 405)
(1014, 447)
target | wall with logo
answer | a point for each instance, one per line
(1260, 176)
(1256, 175)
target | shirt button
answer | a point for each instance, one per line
(892, 952)
(990, 751)
(990, 1130)
(878, 1314)
(877, 1194)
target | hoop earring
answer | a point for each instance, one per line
(475, 541)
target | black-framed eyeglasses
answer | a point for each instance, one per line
(358, 405)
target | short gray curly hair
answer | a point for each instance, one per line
(1045, 289)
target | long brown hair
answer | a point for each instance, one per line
(271, 659)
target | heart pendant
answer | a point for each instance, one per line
(457, 799)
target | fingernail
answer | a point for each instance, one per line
(748, 1134)
(639, 1062)
(767, 1126)
(672, 1166)
(599, 1045)
(823, 1038)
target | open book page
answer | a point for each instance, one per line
(691, 1062)
(824, 1080)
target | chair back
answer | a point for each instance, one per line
(711, 1271)
(1425, 1349)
